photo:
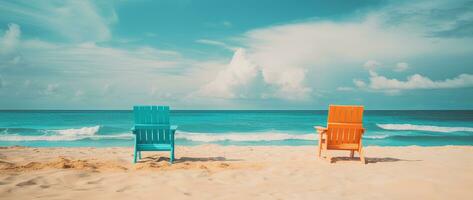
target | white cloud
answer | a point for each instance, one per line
(371, 64)
(129, 72)
(400, 67)
(90, 58)
(296, 56)
(293, 55)
(289, 61)
(359, 83)
(416, 81)
(78, 21)
(216, 43)
(321, 44)
(10, 38)
(240, 79)
(436, 18)
(290, 82)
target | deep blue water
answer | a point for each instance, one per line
(111, 128)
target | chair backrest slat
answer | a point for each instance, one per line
(345, 125)
(152, 124)
(345, 114)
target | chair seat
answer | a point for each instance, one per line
(153, 147)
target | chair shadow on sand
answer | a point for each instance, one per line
(157, 158)
(369, 159)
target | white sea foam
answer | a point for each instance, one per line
(79, 131)
(64, 135)
(413, 127)
(375, 136)
(242, 137)
(90, 133)
(14, 137)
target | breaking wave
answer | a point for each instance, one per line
(58, 135)
(413, 127)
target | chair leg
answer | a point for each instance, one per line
(362, 156)
(320, 145)
(352, 153)
(135, 156)
(171, 158)
(139, 155)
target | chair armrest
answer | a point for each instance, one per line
(173, 132)
(174, 128)
(320, 129)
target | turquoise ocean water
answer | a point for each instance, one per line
(111, 128)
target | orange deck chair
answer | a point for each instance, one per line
(344, 130)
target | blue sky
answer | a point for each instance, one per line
(236, 54)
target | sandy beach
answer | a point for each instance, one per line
(236, 172)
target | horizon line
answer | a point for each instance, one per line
(2, 110)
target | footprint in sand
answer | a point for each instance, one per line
(95, 181)
(26, 183)
(224, 165)
(124, 189)
(187, 193)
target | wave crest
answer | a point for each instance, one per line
(63, 135)
(79, 131)
(413, 127)
(12, 138)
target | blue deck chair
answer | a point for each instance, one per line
(152, 130)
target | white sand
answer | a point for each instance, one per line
(216, 172)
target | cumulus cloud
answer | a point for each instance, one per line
(290, 82)
(400, 67)
(240, 79)
(287, 61)
(243, 78)
(320, 44)
(294, 56)
(381, 83)
(10, 39)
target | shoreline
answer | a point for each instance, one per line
(236, 172)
